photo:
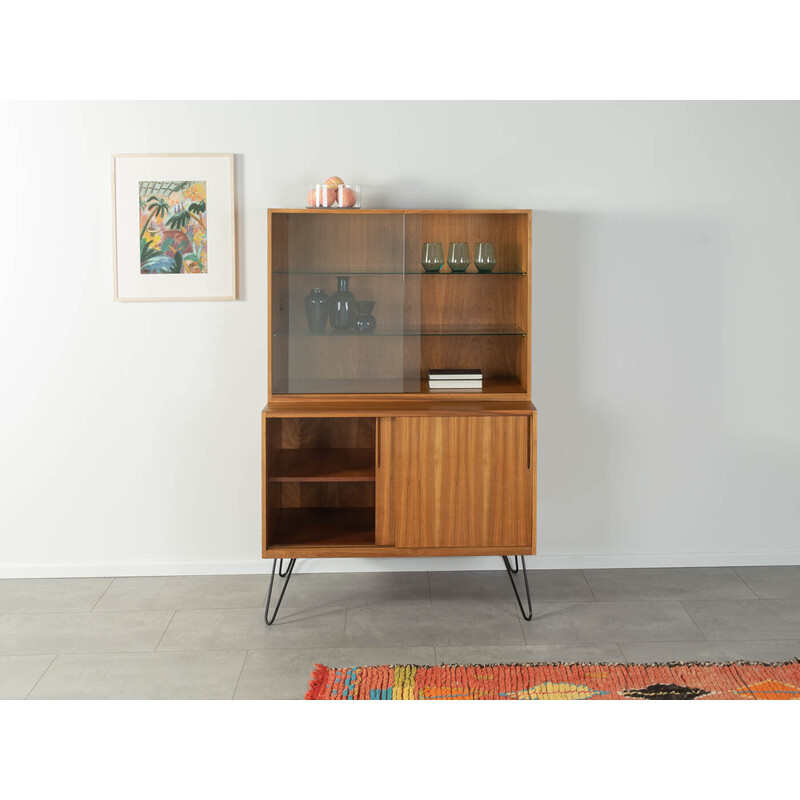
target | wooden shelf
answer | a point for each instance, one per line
(324, 527)
(333, 464)
(490, 386)
(350, 272)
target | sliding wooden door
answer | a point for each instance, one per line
(458, 482)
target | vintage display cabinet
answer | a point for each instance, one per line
(360, 456)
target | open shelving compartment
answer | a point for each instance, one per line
(320, 482)
(426, 321)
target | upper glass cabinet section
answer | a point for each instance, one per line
(353, 311)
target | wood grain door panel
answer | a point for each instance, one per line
(456, 481)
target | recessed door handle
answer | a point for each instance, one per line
(530, 437)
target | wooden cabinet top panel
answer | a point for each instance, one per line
(398, 211)
(402, 408)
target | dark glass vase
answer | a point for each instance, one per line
(317, 310)
(342, 305)
(364, 322)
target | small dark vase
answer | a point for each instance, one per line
(317, 310)
(341, 305)
(364, 321)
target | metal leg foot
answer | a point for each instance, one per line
(287, 575)
(511, 572)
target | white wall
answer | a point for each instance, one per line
(666, 326)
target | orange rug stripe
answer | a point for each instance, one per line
(733, 680)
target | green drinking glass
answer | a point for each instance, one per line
(485, 257)
(458, 256)
(432, 256)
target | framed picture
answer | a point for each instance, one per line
(174, 227)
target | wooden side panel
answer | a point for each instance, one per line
(534, 476)
(270, 492)
(264, 483)
(525, 233)
(460, 481)
(277, 301)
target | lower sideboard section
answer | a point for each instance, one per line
(426, 485)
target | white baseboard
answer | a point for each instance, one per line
(591, 561)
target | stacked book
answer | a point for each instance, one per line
(455, 379)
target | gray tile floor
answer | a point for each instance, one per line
(204, 636)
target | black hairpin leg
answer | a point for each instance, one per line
(511, 572)
(288, 574)
(516, 565)
(280, 570)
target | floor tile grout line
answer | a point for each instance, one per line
(47, 669)
(166, 608)
(757, 595)
(313, 648)
(522, 621)
(694, 622)
(103, 653)
(239, 676)
(163, 633)
(589, 585)
(110, 584)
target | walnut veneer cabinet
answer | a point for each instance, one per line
(360, 458)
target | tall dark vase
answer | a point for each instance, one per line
(342, 305)
(317, 310)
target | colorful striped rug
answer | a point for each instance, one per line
(735, 680)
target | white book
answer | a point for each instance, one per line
(454, 374)
(435, 389)
(455, 384)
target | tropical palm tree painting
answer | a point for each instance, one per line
(172, 227)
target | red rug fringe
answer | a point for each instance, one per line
(317, 682)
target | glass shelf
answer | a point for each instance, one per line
(349, 272)
(424, 330)
(472, 272)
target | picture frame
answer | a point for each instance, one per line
(174, 226)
